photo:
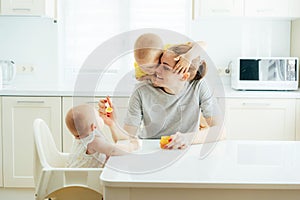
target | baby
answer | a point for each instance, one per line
(90, 147)
(148, 49)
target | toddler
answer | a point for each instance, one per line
(148, 49)
(90, 147)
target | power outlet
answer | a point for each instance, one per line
(223, 72)
(25, 68)
(220, 72)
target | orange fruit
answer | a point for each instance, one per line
(109, 110)
(164, 140)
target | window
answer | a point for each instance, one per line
(84, 25)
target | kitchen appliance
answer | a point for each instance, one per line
(265, 73)
(8, 70)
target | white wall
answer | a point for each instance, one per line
(33, 41)
(230, 38)
(30, 41)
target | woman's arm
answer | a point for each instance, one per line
(118, 133)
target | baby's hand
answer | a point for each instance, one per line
(182, 65)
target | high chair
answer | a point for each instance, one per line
(52, 179)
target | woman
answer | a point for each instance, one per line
(170, 104)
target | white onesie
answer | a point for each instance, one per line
(78, 156)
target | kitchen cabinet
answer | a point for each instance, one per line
(246, 8)
(29, 7)
(266, 8)
(298, 120)
(205, 8)
(294, 8)
(120, 105)
(18, 114)
(260, 119)
(1, 170)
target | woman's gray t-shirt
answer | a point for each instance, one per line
(160, 113)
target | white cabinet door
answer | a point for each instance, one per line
(266, 8)
(120, 104)
(218, 8)
(21, 7)
(18, 116)
(1, 159)
(260, 119)
(28, 7)
(294, 8)
(298, 120)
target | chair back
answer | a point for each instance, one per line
(55, 181)
(48, 154)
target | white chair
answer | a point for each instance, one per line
(52, 179)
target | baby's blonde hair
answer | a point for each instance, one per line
(80, 118)
(147, 46)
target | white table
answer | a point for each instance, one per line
(233, 170)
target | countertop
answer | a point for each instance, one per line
(231, 164)
(70, 91)
(54, 91)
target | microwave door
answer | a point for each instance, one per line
(249, 70)
(272, 70)
(267, 70)
(280, 70)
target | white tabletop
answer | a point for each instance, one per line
(231, 164)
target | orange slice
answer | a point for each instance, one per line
(109, 110)
(164, 140)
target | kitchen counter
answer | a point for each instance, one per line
(53, 91)
(231, 93)
(69, 91)
(233, 170)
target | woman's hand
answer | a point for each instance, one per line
(108, 117)
(179, 141)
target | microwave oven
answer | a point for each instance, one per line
(265, 73)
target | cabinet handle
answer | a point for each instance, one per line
(22, 9)
(263, 10)
(32, 102)
(256, 104)
(220, 10)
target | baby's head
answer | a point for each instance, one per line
(83, 119)
(147, 51)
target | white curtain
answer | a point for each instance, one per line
(85, 24)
